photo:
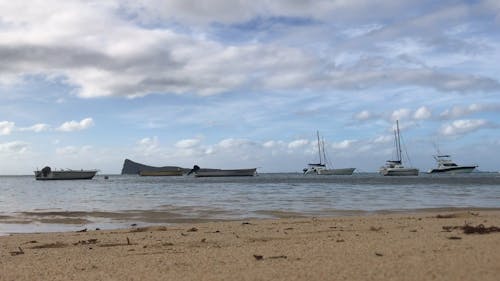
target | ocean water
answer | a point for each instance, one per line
(27, 205)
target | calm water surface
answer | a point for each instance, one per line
(27, 205)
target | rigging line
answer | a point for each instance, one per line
(327, 160)
(406, 152)
(395, 151)
(319, 148)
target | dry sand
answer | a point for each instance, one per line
(422, 246)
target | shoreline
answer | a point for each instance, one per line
(398, 246)
(67, 221)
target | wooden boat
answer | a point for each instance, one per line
(165, 173)
(198, 172)
(48, 174)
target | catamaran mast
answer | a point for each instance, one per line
(324, 151)
(398, 143)
(319, 148)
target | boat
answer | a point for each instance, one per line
(148, 173)
(446, 165)
(48, 174)
(396, 167)
(321, 168)
(199, 172)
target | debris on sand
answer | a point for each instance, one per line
(16, 253)
(470, 229)
(480, 229)
(258, 257)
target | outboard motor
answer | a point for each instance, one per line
(195, 168)
(46, 171)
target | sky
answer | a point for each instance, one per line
(239, 84)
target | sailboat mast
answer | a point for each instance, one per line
(398, 144)
(319, 147)
(324, 151)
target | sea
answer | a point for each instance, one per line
(121, 201)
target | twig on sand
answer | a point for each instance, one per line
(15, 253)
(261, 257)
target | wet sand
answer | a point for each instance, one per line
(420, 246)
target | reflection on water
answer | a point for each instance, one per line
(29, 205)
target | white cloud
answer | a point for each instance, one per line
(148, 145)
(400, 114)
(298, 143)
(361, 30)
(6, 127)
(461, 111)
(72, 126)
(383, 139)
(461, 127)
(234, 143)
(73, 151)
(422, 113)
(274, 144)
(364, 115)
(14, 147)
(343, 144)
(187, 143)
(106, 48)
(37, 128)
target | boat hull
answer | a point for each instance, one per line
(453, 170)
(337, 172)
(227, 173)
(160, 173)
(66, 175)
(399, 172)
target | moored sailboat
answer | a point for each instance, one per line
(396, 167)
(321, 168)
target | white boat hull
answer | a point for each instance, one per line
(399, 172)
(67, 175)
(338, 172)
(453, 170)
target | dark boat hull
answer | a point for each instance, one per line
(227, 173)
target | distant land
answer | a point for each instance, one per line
(133, 168)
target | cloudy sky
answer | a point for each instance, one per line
(234, 84)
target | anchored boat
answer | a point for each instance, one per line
(446, 165)
(199, 172)
(396, 167)
(48, 174)
(321, 167)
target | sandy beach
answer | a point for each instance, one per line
(418, 246)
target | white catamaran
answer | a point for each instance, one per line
(396, 167)
(321, 168)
